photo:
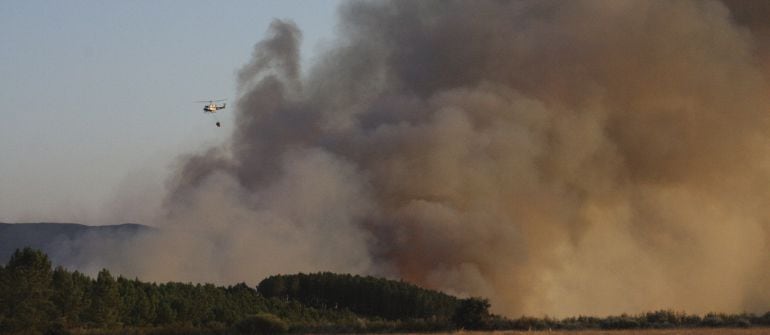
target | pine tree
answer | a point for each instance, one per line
(105, 300)
(67, 296)
(25, 291)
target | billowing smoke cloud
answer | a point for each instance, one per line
(559, 157)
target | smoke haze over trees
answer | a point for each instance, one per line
(558, 157)
(34, 298)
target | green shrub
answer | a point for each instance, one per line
(262, 323)
(742, 323)
(712, 320)
(472, 313)
(56, 328)
(620, 322)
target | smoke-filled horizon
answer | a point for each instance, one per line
(558, 157)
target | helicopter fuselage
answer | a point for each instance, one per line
(212, 108)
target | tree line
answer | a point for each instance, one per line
(662, 319)
(368, 296)
(36, 298)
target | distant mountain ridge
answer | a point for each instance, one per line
(62, 240)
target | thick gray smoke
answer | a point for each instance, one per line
(559, 157)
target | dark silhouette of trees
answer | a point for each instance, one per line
(105, 301)
(69, 295)
(36, 299)
(368, 296)
(25, 287)
(472, 313)
(262, 323)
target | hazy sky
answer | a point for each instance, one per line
(560, 157)
(99, 94)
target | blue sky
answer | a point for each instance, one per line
(99, 95)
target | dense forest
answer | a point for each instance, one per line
(394, 300)
(37, 298)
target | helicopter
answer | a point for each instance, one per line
(212, 108)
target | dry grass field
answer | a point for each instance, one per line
(696, 331)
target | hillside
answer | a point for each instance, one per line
(62, 241)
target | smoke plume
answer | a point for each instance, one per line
(558, 157)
